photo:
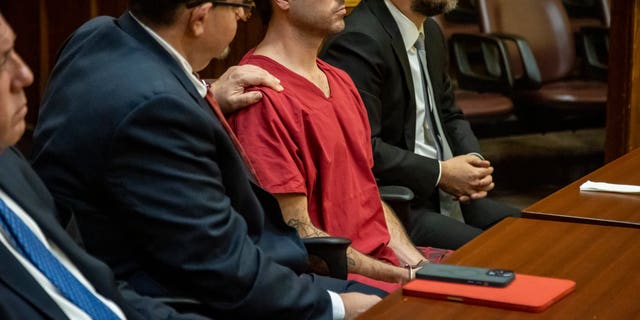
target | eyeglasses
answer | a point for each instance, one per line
(247, 6)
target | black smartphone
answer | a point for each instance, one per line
(466, 275)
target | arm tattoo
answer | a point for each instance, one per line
(351, 262)
(306, 230)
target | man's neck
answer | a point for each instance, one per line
(172, 36)
(405, 7)
(292, 48)
(175, 39)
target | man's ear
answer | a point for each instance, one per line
(198, 18)
(282, 4)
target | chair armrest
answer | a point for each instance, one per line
(481, 62)
(331, 250)
(531, 78)
(396, 194)
(595, 50)
(399, 199)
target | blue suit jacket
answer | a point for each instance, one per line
(21, 297)
(127, 145)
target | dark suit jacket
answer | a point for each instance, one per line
(21, 297)
(159, 192)
(372, 51)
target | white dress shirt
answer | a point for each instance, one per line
(409, 32)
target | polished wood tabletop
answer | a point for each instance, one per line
(614, 209)
(604, 262)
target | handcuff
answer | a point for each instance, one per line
(411, 268)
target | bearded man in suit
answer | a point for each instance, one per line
(397, 57)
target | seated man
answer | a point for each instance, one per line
(43, 273)
(309, 144)
(127, 142)
(408, 110)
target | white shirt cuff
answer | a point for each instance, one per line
(338, 306)
(477, 155)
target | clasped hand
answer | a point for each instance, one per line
(466, 177)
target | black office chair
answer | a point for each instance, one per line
(478, 70)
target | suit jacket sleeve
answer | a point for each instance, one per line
(165, 174)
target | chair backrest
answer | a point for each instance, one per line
(450, 27)
(463, 19)
(588, 13)
(544, 24)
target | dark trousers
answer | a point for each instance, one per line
(429, 228)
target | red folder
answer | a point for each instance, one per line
(525, 293)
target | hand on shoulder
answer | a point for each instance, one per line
(229, 89)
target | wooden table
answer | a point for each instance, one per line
(614, 209)
(604, 261)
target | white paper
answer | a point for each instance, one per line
(609, 187)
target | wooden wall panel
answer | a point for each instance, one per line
(23, 16)
(113, 8)
(623, 110)
(634, 115)
(58, 20)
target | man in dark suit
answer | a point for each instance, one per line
(35, 251)
(431, 150)
(129, 144)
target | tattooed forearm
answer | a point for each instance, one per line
(296, 214)
(306, 230)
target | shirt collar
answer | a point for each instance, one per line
(408, 29)
(184, 64)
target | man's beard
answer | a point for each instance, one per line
(432, 8)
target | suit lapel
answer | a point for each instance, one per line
(12, 273)
(434, 57)
(135, 30)
(15, 276)
(380, 10)
(22, 184)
